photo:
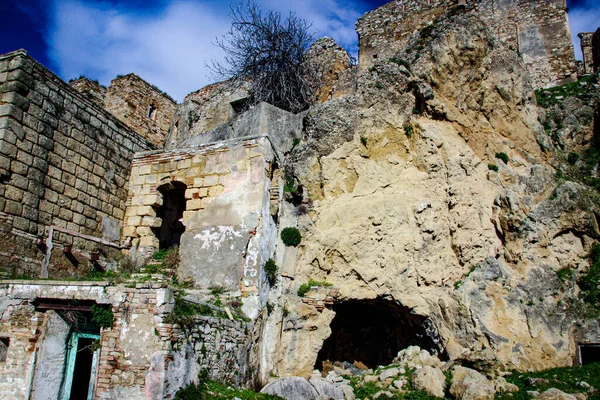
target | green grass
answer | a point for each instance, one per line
(207, 389)
(409, 130)
(305, 287)
(502, 156)
(566, 379)
(549, 97)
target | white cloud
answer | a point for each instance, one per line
(583, 18)
(170, 46)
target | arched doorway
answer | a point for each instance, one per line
(171, 212)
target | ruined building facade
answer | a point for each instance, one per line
(538, 30)
(94, 181)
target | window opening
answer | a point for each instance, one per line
(151, 112)
(4, 342)
(171, 212)
(240, 105)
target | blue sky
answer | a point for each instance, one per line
(168, 42)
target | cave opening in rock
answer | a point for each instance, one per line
(589, 353)
(171, 212)
(373, 332)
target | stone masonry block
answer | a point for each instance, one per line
(195, 204)
(211, 180)
(153, 222)
(134, 221)
(184, 164)
(146, 211)
(189, 193)
(10, 110)
(129, 231)
(154, 200)
(198, 182)
(149, 241)
(144, 231)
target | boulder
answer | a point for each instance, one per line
(502, 386)
(468, 384)
(429, 379)
(389, 373)
(555, 394)
(293, 388)
(414, 356)
(326, 389)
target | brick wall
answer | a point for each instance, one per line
(538, 29)
(64, 161)
(141, 106)
(140, 355)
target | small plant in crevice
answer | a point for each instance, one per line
(305, 287)
(184, 313)
(291, 236)
(493, 167)
(102, 316)
(216, 290)
(502, 156)
(408, 130)
(363, 140)
(589, 283)
(295, 142)
(270, 308)
(271, 271)
(565, 274)
(289, 185)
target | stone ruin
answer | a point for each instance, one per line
(538, 30)
(92, 178)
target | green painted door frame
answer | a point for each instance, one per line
(70, 367)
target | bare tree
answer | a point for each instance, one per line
(268, 52)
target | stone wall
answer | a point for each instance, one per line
(90, 89)
(140, 357)
(229, 233)
(64, 161)
(596, 50)
(205, 110)
(538, 30)
(141, 106)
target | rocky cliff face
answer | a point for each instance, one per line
(434, 186)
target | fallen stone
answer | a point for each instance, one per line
(326, 389)
(348, 392)
(389, 373)
(431, 380)
(468, 384)
(371, 378)
(503, 386)
(293, 388)
(400, 383)
(555, 394)
(383, 393)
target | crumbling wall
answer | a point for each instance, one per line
(90, 89)
(141, 106)
(64, 161)
(538, 30)
(229, 233)
(141, 356)
(596, 50)
(205, 110)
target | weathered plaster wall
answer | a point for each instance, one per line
(64, 161)
(228, 227)
(141, 106)
(141, 357)
(538, 30)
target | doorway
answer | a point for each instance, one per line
(171, 212)
(80, 372)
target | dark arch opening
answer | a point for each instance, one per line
(373, 332)
(171, 212)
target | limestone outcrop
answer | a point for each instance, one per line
(434, 185)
